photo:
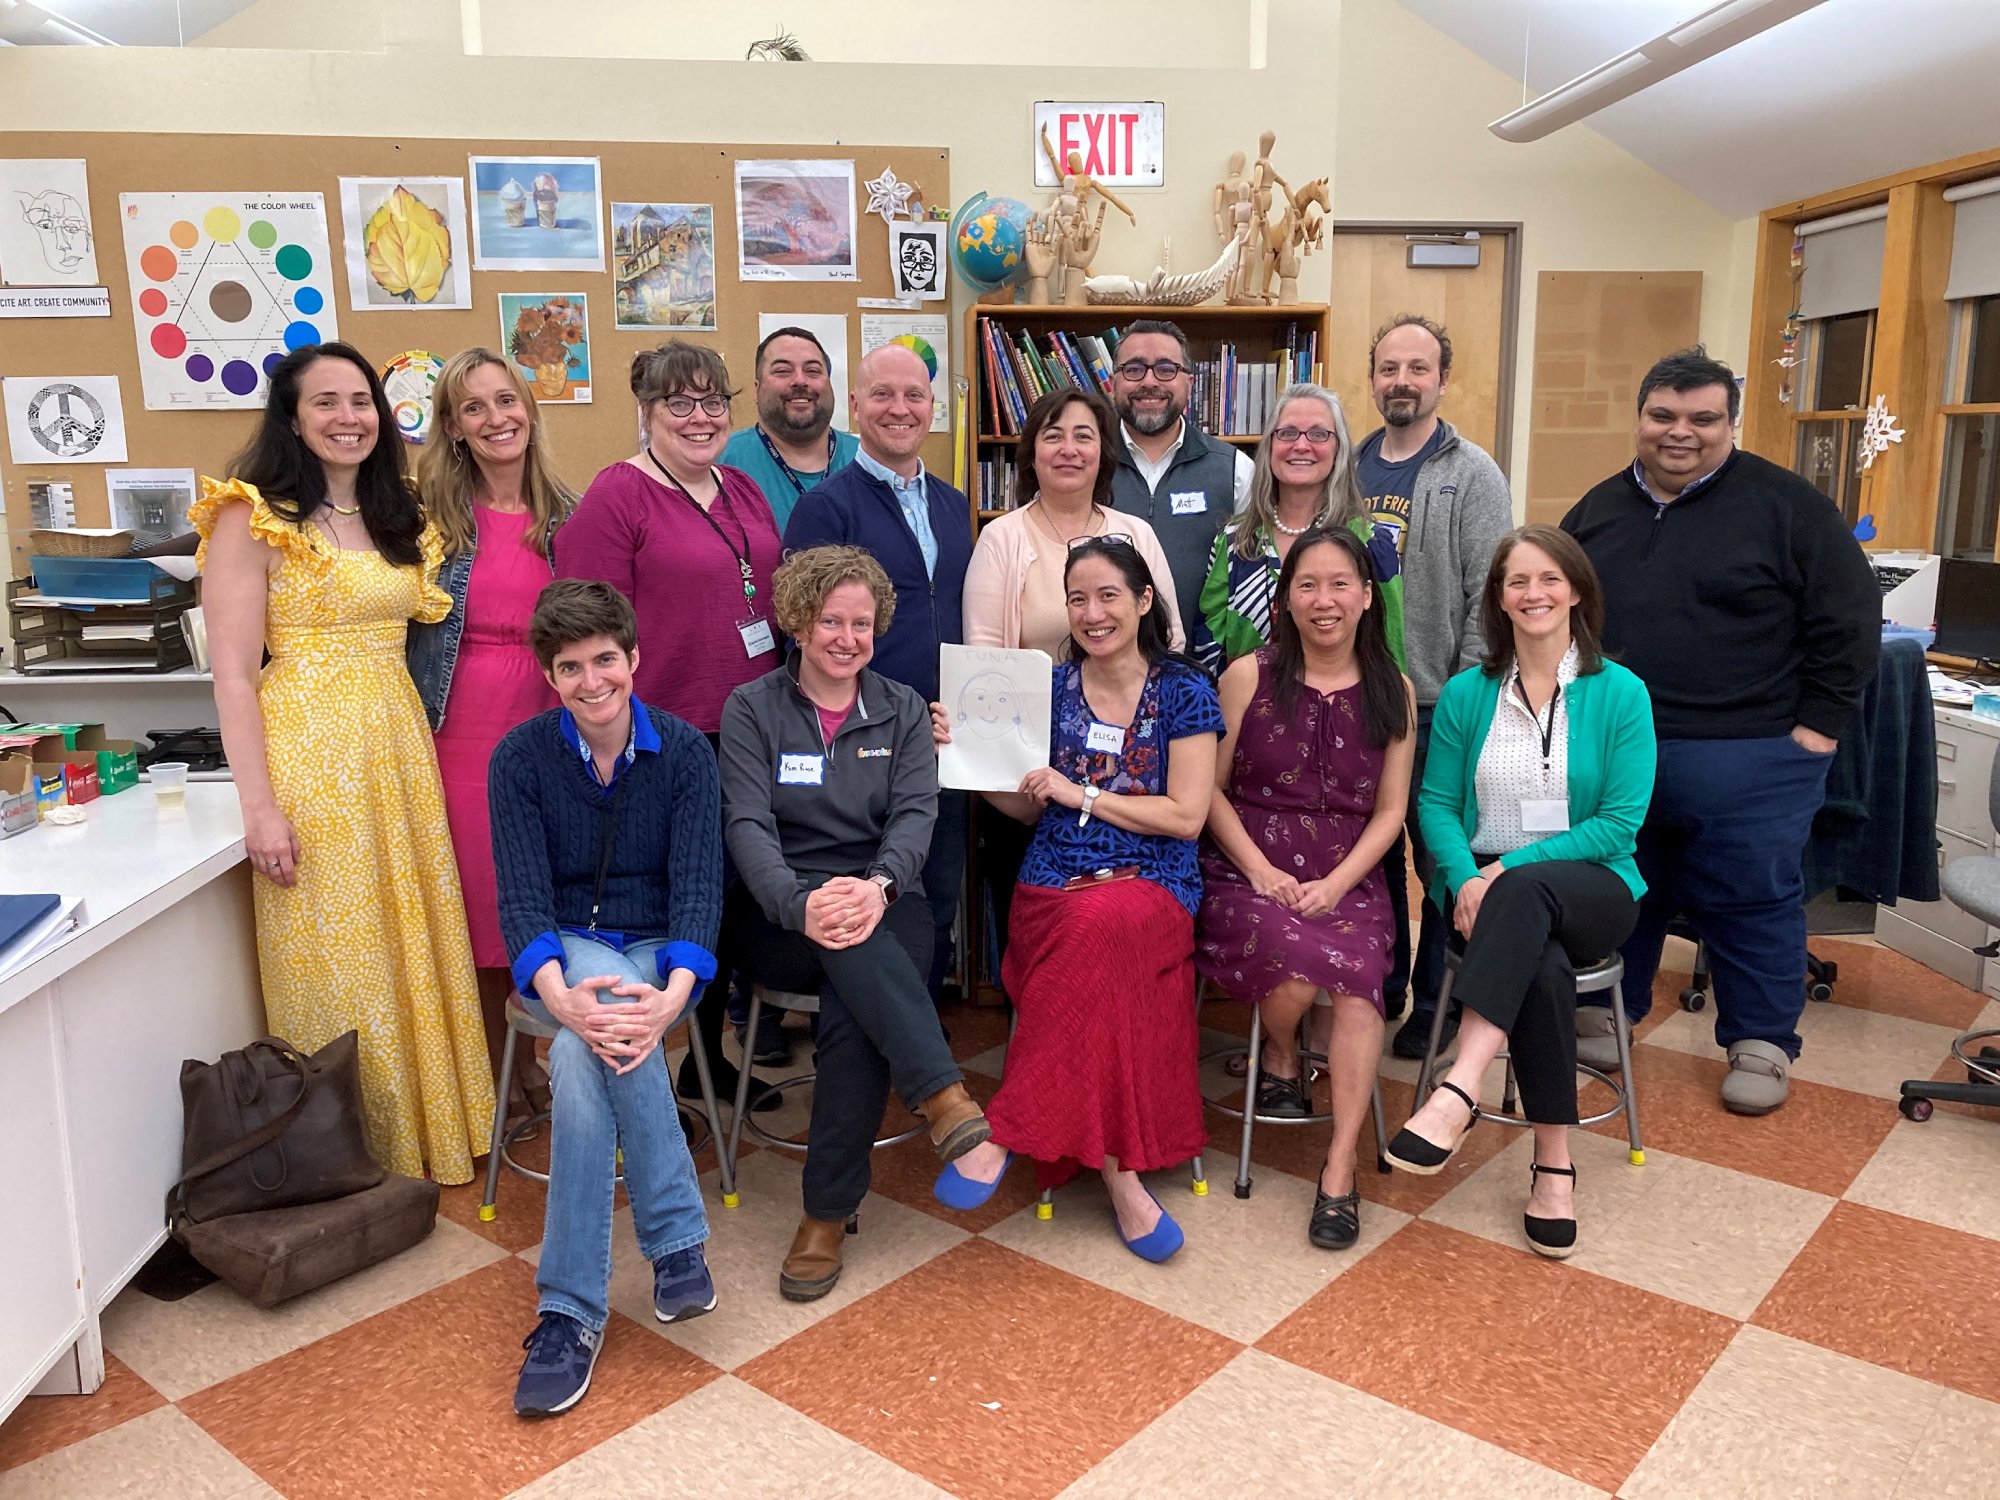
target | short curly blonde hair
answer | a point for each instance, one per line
(800, 587)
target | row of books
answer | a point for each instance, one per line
(1231, 395)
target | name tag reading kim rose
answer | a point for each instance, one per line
(1188, 502)
(801, 770)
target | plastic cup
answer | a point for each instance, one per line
(170, 782)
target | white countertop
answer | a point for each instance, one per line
(129, 860)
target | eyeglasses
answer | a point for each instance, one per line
(684, 405)
(1311, 434)
(1105, 536)
(1161, 370)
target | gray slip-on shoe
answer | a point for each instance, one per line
(1596, 1038)
(1759, 1078)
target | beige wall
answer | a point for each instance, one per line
(1359, 88)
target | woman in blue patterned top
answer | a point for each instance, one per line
(1101, 1071)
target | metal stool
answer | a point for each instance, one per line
(1252, 1052)
(524, 1023)
(793, 1000)
(1607, 974)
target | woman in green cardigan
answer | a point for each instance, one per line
(1540, 770)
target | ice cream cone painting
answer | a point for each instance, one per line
(405, 243)
(547, 335)
(537, 214)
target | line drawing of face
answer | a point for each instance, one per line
(63, 226)
(989, 706)
(918, 259)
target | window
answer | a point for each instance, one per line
(1983, 365)
(1829, 455)
(1969, 498)
(1841, 349)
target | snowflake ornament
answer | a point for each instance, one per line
(889, 197)
(1878, 431)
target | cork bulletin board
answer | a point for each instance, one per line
(582, 438)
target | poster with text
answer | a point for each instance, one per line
(65, 419)
(795, 220)
(405, 243)
(831, 330)
(537, 213)
(663, 266)
(927, 336)
(547, 335)
(224, 285)
(45, 233)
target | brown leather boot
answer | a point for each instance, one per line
(813, 1265)
(957, 1123)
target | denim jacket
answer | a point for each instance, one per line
(432, 650)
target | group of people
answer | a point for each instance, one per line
(603, 751)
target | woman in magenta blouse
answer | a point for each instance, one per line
(693, 544)
(689, 541)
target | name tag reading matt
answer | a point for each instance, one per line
(1544, 814)
(756, 637)
(1188, 502)
(801, 770)
(1105, 738)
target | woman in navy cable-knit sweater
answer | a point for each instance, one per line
(605, 815)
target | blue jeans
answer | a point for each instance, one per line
(595, 1112)
(1722, 845)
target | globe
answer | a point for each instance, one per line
(987, 237)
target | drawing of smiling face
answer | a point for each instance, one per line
(63, 226)
(987, 706)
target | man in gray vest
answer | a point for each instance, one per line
(1185, 483)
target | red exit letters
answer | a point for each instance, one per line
(1105, 141)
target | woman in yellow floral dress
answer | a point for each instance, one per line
(317, 550)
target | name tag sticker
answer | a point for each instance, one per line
(756, 637)
(1188, 502)
(1106, 738)
(1544, 815)
(801, 770)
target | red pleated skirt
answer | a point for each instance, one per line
(1104, 1058)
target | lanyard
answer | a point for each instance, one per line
(1548, 731)
(785, 468)
(743, 556)
(607, 835)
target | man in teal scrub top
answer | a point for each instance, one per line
(792, 447)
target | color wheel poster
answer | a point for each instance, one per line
(224, 285)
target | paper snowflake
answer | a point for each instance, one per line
(888, 197)
(1878, 431)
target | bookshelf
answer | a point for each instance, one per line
(1224, 341)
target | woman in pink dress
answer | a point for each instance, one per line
(488, 485)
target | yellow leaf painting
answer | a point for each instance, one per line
(409, 247)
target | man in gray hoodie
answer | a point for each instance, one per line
(1445, 503)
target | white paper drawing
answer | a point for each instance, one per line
(916, 259)
(405, 243)
(795, 221)
(1000, 714)
(64, 419)
(831, 330)
(928, 335)
(45, 234)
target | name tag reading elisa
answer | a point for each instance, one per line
(756, 637)
(801, 770)
(1544, 815)
(1188, 502)
(1104, 738)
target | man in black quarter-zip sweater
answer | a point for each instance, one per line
(1733, 588)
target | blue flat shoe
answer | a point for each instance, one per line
(1158, 1243)
(955, 1190)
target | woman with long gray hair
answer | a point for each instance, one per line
(1304, 478)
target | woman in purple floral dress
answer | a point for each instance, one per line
(1314, 771)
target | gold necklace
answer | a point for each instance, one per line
(343, 510)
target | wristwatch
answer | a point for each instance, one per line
(888, 885)
(1090, 796)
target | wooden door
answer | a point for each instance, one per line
(1373, 282)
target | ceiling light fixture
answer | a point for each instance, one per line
(1716, 29)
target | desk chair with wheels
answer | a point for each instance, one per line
(1972, 885)
(524, 1023)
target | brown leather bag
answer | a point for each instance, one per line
(267, 1127)
(278, 1253)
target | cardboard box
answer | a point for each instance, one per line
(68, 732)
(76, 772)
(19, 810)
(117, 760)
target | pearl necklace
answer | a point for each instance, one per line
(1290, 530)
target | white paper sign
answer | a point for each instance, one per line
(1121, 145)
(56, 302)
(1000, 716)
(65, 419)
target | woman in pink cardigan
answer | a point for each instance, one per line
(1014, 594)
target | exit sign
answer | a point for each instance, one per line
(1122, 145)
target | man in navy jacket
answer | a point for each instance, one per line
(920, 529)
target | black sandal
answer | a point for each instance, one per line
(1413, 1153)
(1335, 1222)
(1555, 1238)
(1280, 1098)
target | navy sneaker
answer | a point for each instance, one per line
(773, 1047)
(556, 1373)
(682, 1287)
